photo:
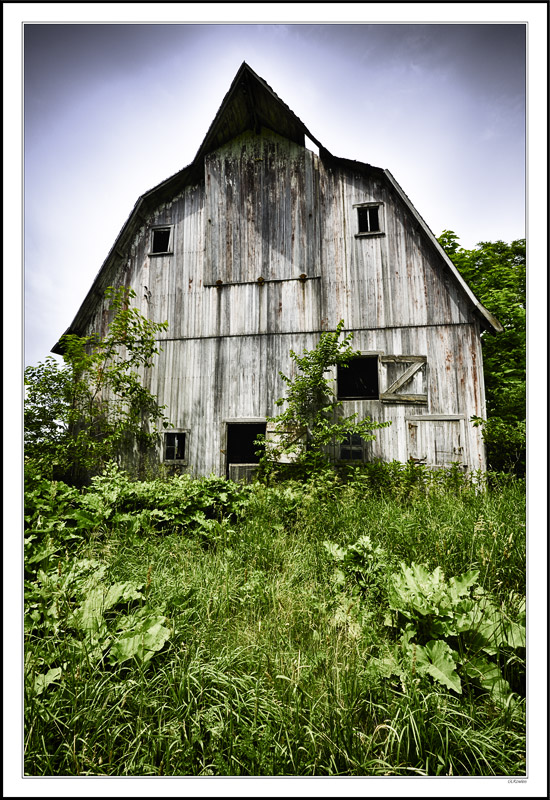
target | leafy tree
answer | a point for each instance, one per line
(81, 414)
(304, 433)
(496, 273)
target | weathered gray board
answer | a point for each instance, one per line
(265, 255)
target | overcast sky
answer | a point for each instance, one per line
(112, 110)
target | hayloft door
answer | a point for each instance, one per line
(240, 450)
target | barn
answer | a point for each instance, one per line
(261, 244)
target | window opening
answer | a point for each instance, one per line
(160, 240)
(241, 447)
(359, 380)
(351, 448)
(311, 145)
(174, 446)
(369, 219)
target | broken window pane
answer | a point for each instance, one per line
(174, 446)
(161, 240)
(368, 219)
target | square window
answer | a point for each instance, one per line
(352, 448)
(174, 446)
(359, 380)
(369, 218)
(160, 240)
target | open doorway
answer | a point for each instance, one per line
(241, 449)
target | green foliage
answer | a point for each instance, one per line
(51, 520)
(495, 271)
(312, 422)
(256, 644)
(47, 407)
(460, 612)
(506, 444)
(87, 617)
(408, 479)
(361, 565)
(57, 514)
(80, 415)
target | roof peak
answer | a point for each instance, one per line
(250, 104)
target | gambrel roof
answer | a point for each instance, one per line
(250, 104)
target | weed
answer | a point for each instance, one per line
(200, 627)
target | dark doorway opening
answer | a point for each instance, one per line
(241, 448)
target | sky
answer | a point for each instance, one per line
(112, 110)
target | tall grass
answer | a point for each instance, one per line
(272, 667)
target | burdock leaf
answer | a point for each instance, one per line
(42, 681)
(461, 584)
(436, 658)
(143, 641)
(488, 675)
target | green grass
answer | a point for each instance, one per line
(272, 664)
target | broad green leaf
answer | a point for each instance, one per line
(409, 632)
(462, 584)
(89, 616)
(389, 620)
(148, 637)
(387, 666)
(339, 577)
(489, 677)
(414, 589)
(42, 555)
(336, 552)
(489, 625)
(436, 658)
(122, 593)
(42, 681)
(515, 634)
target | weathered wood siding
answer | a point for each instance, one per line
(270, 209)
(261, 210)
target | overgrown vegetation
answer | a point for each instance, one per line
(360, 620)
(81, 415)
(367, 623)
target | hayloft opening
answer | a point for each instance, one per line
(359, 380)
(160, 240)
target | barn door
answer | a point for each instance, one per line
(403, 379)
(436, 440)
